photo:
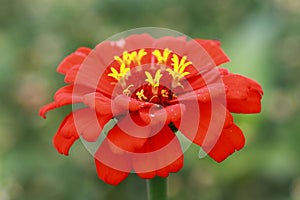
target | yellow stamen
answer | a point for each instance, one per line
(140, 95)
(161, 58)
(178, 72)
(127, 90)
(164, 93)
(154, 82)
(139, 56)
(125, 61)
(119, 75)
(128, 58)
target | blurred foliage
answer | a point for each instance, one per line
(262, 39)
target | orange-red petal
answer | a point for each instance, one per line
(230, 140)
(113, 162)
(73, 59)
(71, 74)
(130, 133)
(83, 122)
(243, 94)
(160, 155)
(66, 135)
(108, 174)
(64, 96)
(162, 115)
(203, 123)
(213, 48)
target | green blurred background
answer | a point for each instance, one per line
(262, 38)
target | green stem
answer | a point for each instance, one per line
(157, 188)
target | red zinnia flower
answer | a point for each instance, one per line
(147, 89)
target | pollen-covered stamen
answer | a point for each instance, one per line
(178, 71)
(163, 95)
(126, 61)
(140, 95)
(154, 82)
(137, 56)
(128, 58)
(127, 90)
(162, 58)
(119, 75)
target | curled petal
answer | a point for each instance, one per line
(243, 94)
(43, 110)
(71, 74)
(63, 144)
(230, 140)
(66, 135)
(213, 48)
(62, 97)
(83, 122)
(73, 59)
(65, 96)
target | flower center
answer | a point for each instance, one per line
(158, 95)
(146, 85)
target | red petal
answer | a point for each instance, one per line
(66, 135)
(71, 74)
(46, 108)
(162, 115)
(129, 134)
(82, 122)
(108, 174)
(64, 96)
(98, 102)
(203, 95)
(88, 124)
(201, 60)
(107, 50)
(160, 155)
(231, 139)
(203, 123)
(175, 44)
(73, 59)
(123, 104)
(214, 50)
(63, 144)
(113, 164)
(252, 104)
(139, 41)
(243, 94)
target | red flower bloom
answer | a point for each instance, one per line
(147, 89)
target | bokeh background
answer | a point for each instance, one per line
(262, 38)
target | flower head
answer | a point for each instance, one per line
(144, 90)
